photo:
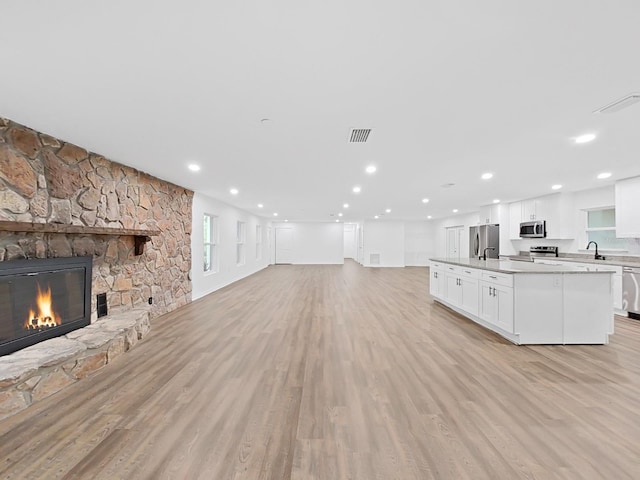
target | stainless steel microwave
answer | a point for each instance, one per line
(536, 229)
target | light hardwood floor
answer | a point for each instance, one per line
(337, 372)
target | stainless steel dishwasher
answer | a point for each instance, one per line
(631, 291)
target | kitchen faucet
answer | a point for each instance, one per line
(598, 256)
(484, 254)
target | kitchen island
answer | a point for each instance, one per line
(527, 303)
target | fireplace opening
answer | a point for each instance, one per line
(42, 299)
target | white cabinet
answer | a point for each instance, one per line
(616, 278)
(437, 280)
(489, 214)
(543, 305)
(530, 210)
(515, 217)
(496, 300)
(469, 301)
(556, 209)
(627, 211)
(461, 288)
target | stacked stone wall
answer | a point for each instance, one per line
(47, 180)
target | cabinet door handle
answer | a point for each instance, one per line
(491, 276)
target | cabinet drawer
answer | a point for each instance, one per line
(468, 272)
(436, 265)
(499, 278)
(452, 269)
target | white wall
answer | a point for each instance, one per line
(315, 243)
(439, 233)
(229, 271)
(386, 239)
(418, 243)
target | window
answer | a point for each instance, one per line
(601, 228)
(242, 237)
(258, 242)
(211, 240)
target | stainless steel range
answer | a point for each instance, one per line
(543, 251)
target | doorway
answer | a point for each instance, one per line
(284, 245)
(454, 236)
(350, 240)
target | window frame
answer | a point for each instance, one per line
(241, 232)
(258, 242)
(587, 230)
(213, 246)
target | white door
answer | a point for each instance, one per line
(269, 246)
(454, 234)
(349, 240)
(284, 245)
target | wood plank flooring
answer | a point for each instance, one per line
(337, 372)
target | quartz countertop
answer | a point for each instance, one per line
(508, 266)
(609, 260)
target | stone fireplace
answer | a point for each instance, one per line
(89, 226)
(90, 206)
(42, 299)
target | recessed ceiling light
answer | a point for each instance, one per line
(260, 205)
(425, 200)
(233, 191)
(455, 210)
(194, 168)
(496, 200)
(346, 205)
(337, 220)
(556, 187)
(587, 137)
(429, 217)
(371, 169)
(275, 214)
(356, 189)
(286, 219)
(388, 210)
(486, 176)
(376, 217)
(604, 175)
(340, 214)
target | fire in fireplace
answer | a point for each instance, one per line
(41, 299)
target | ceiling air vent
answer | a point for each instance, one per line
(619, 104)
(359, 135)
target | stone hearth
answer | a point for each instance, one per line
(43, 369)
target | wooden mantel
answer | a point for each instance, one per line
(141, 236)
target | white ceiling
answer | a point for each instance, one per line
(451, 88)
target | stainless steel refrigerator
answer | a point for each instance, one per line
(484, 236)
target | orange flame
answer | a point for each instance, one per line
(46, 317)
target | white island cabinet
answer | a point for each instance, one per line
(528, 303)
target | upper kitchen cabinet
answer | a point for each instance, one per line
(556, 209)
(489, 214)
(627, 211)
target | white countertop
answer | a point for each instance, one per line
(610, 260)
(508, 266)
